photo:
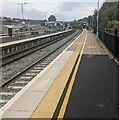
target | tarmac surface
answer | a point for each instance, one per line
(94, 91)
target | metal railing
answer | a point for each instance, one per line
(110, 38)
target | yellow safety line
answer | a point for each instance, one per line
(66, 99)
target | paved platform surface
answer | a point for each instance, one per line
(82, 83)
(6, 38)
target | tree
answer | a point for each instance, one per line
(52, 18)
(118, 10)
(76, 24)
(108, 14)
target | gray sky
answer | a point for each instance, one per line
(62, 9)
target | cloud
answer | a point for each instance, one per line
(62, 10)
(73, 6)
(52, 1)
(33, 13)
(76, 10)
(9, 9)
(69, 6)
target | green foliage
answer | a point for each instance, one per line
(107, 13)
(52, 18)
(113, 24)
(108, 16)
(76, 24)
(118, 10)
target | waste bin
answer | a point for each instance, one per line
(10, 31)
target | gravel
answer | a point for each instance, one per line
(9, 91)
(16, 67)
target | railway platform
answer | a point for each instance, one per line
(80, 83)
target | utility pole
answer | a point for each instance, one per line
(97, 17)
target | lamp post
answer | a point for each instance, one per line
(45, 19)
(97, 17)
(45, 15)
(22, 7)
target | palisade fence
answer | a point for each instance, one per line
(110, 37)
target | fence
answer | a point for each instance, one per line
(111, 39)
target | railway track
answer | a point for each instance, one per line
(16, 56)
(13, 85)
(11, 70)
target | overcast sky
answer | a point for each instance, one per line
(62, 9)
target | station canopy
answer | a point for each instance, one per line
(15, 26)
(9, 26)
(18, 26)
